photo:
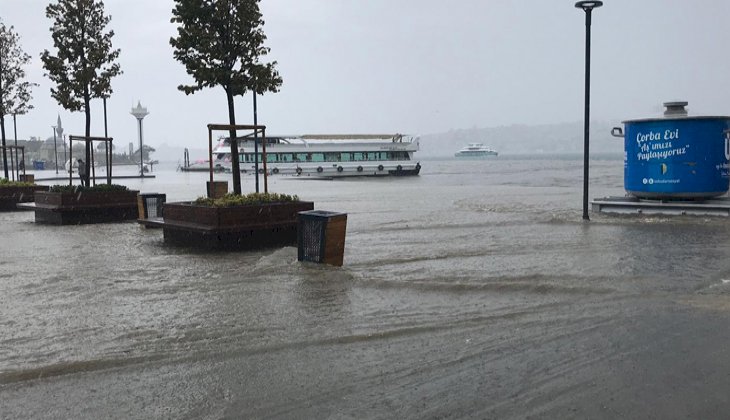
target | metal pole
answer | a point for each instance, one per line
(141, 163)
(15, 133)
(264, 159)
(2, 116)
(255, 143)
(106, 146)
(588, 7)
(55, 150)
(210, 161)
(13, 165)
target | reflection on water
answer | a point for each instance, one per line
(473, 290)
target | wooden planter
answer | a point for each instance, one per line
(240, 227)
(71, 208)
(10, 196)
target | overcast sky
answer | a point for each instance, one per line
(409, 66)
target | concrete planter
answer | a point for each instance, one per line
(67, 208)
(12, 195)
(239, 227)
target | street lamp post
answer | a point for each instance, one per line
(139, 113)
(55, 150)
(255, 143)
(587, 7)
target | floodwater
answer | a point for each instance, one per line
(475, 290)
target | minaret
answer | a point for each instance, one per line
(59, 131)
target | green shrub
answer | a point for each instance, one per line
(4, 182)
(232, 200)
(96, 188)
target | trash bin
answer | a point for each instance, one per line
(38, 165)
(321, 236)
(150, 205)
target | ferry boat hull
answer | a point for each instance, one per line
(340, 169)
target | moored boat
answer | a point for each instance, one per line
(322, 155)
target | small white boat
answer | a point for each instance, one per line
(475, 150)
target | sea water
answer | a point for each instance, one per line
(474, 290)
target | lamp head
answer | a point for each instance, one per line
(588, 5)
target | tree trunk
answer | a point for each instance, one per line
(235, 167)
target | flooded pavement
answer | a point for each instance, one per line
(472, 291)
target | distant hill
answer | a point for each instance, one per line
(525, 139)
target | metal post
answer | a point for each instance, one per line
(13, 165)
(55, 150)
(255, 143)
(109, 165)
(15, 133)
(588, 7)
(2, 123)
(210, 159)
(263, 157)
(106, 146)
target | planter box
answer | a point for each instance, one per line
(10, 196)
(240, 227)
(67, 208)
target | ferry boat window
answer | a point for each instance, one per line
(331, 157)
(272, 157)
(357, 156)
(372, 156)
(397, 156)
(346, 157)
(317, 157)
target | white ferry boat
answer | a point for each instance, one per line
(321, 155)
(475, 150)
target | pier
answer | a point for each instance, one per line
(633, 205)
